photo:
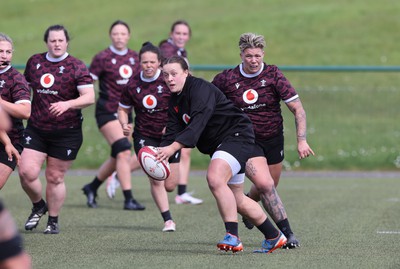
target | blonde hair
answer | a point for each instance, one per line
(4, 37)
(250, 41)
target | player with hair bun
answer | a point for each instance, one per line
(148, 95)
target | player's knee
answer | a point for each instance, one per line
(265, 187)
(213, 183)
(27, 175)
(170, 183)
(120, 146)
(185, 153)
(54, 177)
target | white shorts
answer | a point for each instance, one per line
(234, 165)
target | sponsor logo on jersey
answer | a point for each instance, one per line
(122, 81)
(186, 118)
(149, 101)
(250, 96)
(2, 83)
(47, 80)
(125, 71)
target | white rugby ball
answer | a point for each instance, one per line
(151, 166)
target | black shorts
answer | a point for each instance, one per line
(272, 149)
(103, 118)
(60, 144)
(139, 141)
(241, 149)
(4, 157)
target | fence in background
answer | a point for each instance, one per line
(300, 68)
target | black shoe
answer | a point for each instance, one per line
(247, 223)
(90, 195)
(52, 228)
(34, 217)
(292, 242)
(132, 204)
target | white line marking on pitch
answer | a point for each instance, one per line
(393, 200)
(388, 232)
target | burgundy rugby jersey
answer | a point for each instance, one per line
(54, 80)
(14, 89)
(149, 98)
(113, 69)
(168, 49)
(259, 96)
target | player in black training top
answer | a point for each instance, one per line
(200, 115)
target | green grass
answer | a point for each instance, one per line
(351, 116)
(339, 219)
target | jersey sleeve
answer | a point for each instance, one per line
(167, 50)
(126, 100)
(285, 90)
(27, 70)
(96, 67)
(202, 106)
(219, 81)
(82, 76)
(21, 92)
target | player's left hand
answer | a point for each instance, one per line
(304, 149)
(59, 108)
(164, 153)
(12, 151)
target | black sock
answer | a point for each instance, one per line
(39, 204)
(166, 215)
(53, 219)
(232, 228)
(95, 184)
(268, 229)
(181, 189)
(284, 226)
(128, 195)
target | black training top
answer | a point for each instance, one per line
(202, 116)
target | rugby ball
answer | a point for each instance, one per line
(151, 166)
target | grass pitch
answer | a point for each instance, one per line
(342, 221)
